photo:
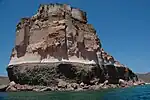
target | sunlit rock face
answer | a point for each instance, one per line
(57, 34)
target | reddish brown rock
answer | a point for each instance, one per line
(58, 43)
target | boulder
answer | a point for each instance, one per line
(95, 87)
(113, 85)
(121, 81)
(36, 90)
(12, 83)
(82, 84)
(11, 89)
(11, 86)
(75, 85)
(79, 89)
(86, 87)
(45, 89)
(79, 15)
(62, 84)
(105, 87)
(94, 81)
(69, 87)
(106, 82)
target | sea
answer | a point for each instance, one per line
(132, 93)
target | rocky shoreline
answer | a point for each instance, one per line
(63, 86)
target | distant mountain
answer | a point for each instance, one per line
(145, 77)
(4, 80)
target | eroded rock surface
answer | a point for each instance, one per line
(57, 44)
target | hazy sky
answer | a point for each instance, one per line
(122, 25)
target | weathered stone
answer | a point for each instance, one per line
(69, 87)
(57, 43)
(62, 84)
(46, 89)
(79, 89)
(36, 90)
(94, 81)
(82, 84)
(79, 15)
(86, 87)
(106, 82)
(121, 81)
(105, 87)
(75, 85)
(97, 87)
(113, 85)
(11, 89)
(12, 83)
(54, 88)
(11, 86)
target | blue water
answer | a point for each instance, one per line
(133, 93)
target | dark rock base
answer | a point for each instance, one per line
(51, 74)
(69, 76)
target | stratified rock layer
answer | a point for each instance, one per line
(58, 43)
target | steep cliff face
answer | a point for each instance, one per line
(56, 33)
(58, 43)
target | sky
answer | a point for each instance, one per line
(123, 27)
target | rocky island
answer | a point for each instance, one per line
(57, 49)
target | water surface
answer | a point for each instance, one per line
(132, 93)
